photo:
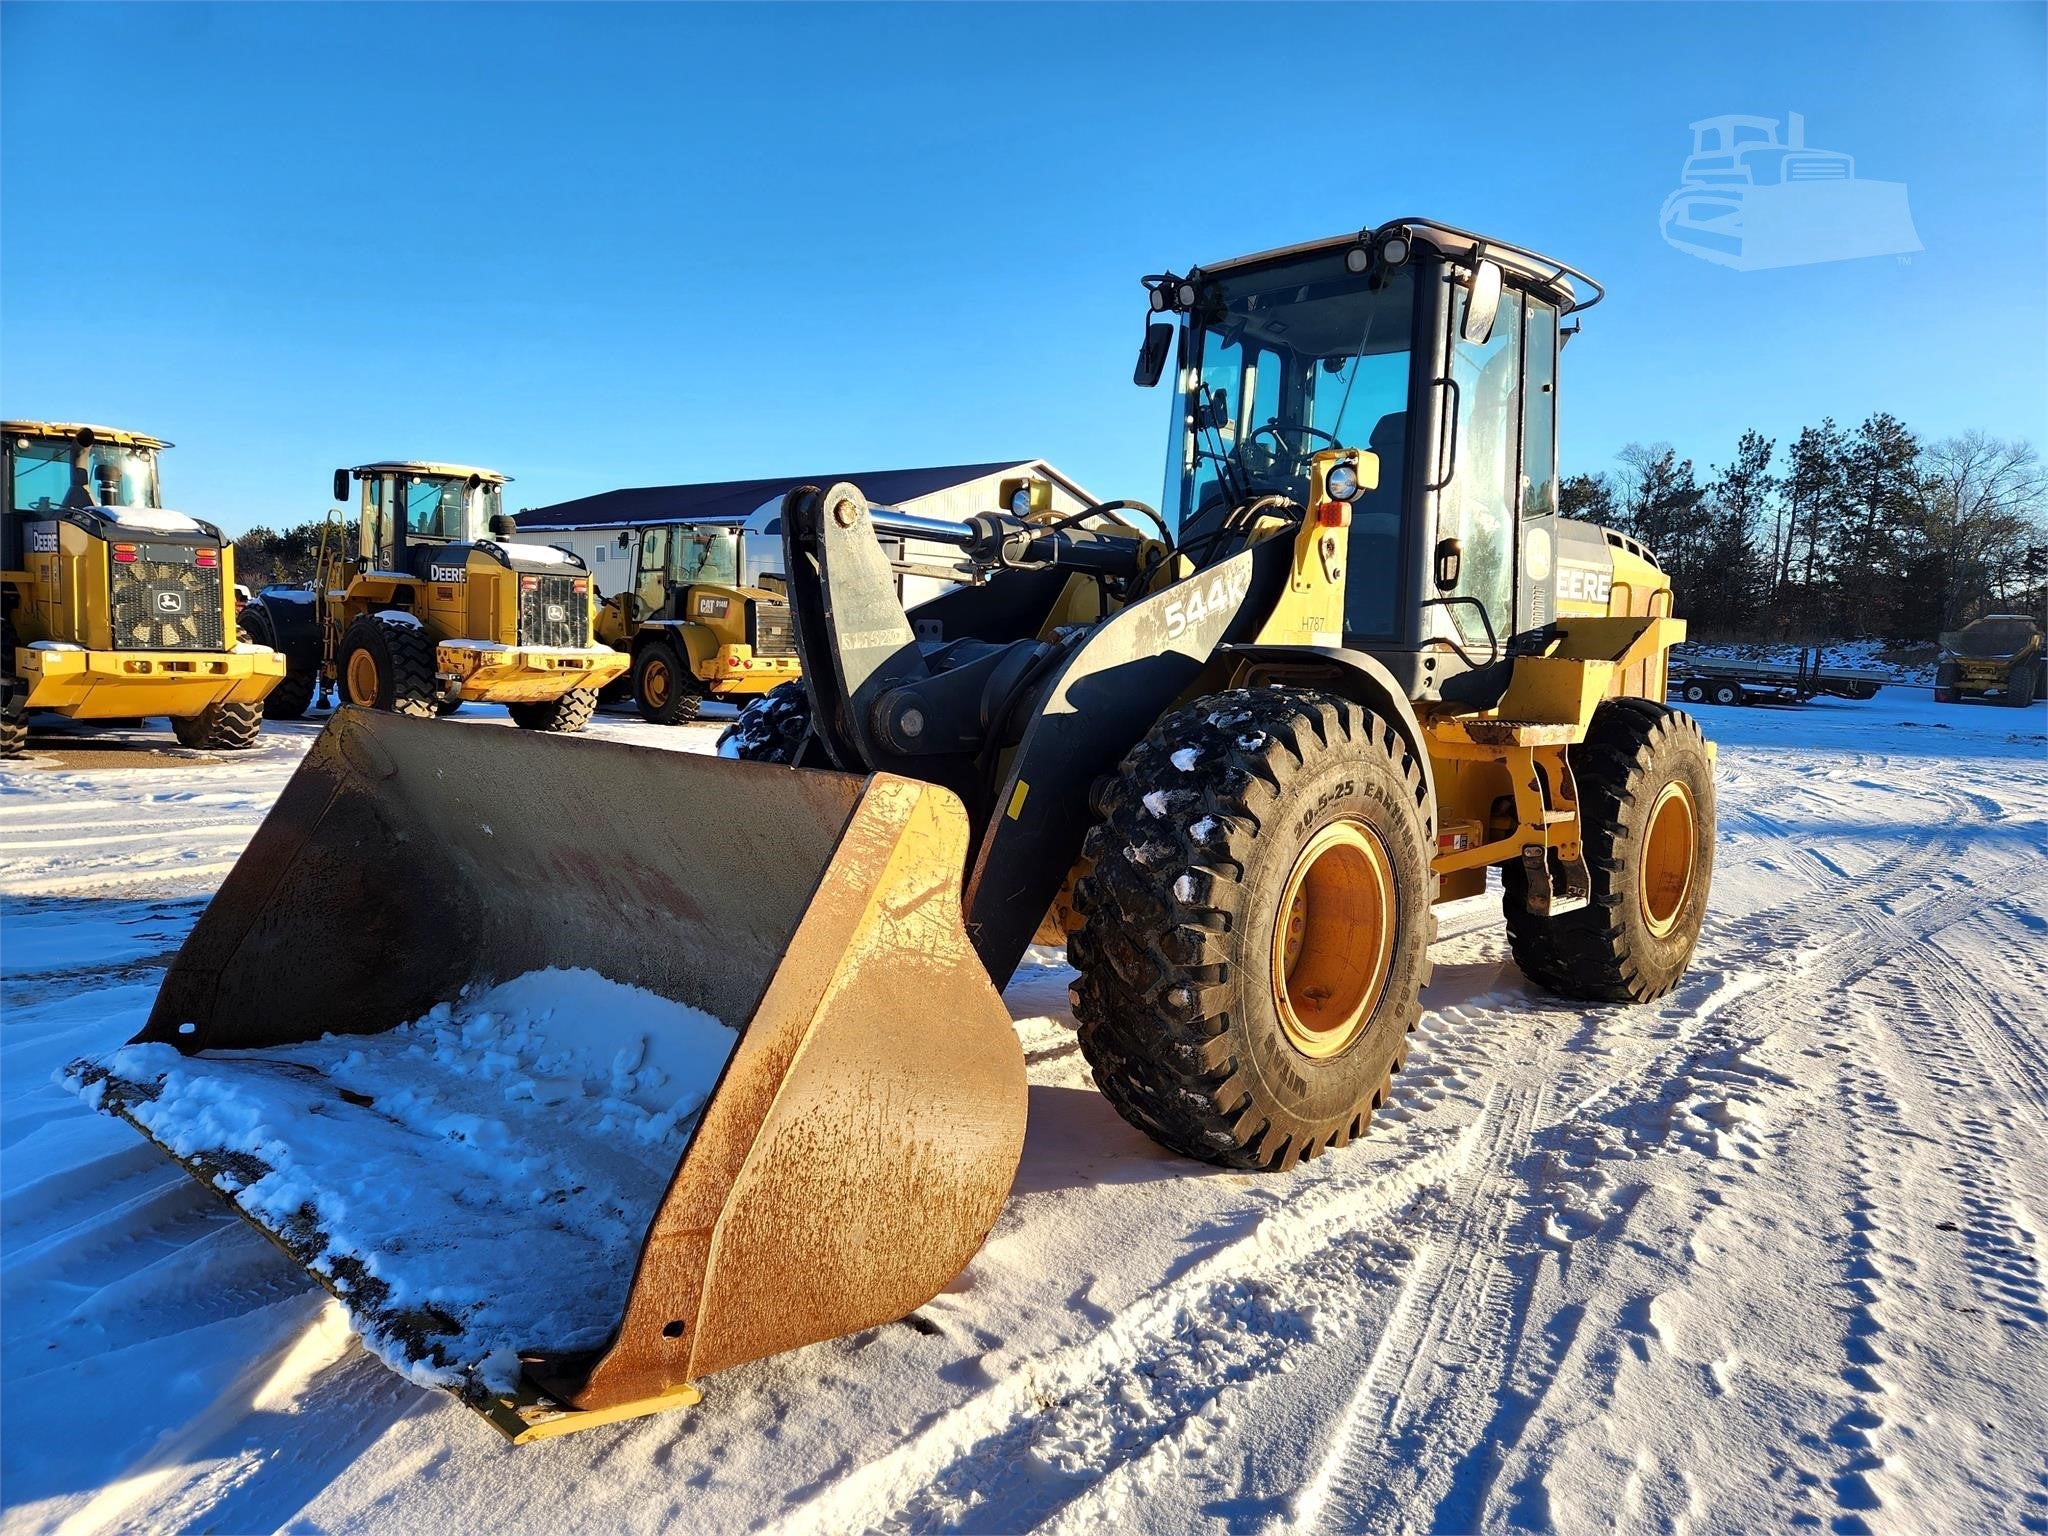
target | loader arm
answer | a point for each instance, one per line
(1020, 729)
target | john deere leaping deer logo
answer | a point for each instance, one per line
(1750, 198)
(169, 602)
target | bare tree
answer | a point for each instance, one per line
(1986, 509)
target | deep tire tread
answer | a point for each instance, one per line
(1589, 955)
(1155, 993)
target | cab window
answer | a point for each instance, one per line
(434, 508)
(42, 474)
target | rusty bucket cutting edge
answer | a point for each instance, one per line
(866, 1131)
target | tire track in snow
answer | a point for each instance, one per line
(1450, 1329)
(942, 1478)
(1018, 1452)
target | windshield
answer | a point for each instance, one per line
(116, 476)
(1287, 361)
(435, 508)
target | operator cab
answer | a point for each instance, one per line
(1434, 349)
(407, 504)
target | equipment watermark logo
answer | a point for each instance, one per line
(1750, 198)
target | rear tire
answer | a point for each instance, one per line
(1254, 929)
(663, 687)
(2019, 686)
(386, 661)
(1695, 692)
(1646, 809)
(1729, 693)
(570, 712)
(770, 729)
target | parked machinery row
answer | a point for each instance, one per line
(117, 608)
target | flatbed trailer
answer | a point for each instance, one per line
(1722, 681)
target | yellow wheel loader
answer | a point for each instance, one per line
(1234, 755)
(697, 622)
(114, 608)
(438, 604)
(1999, 653)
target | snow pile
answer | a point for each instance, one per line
(149, 519)
(475, 1183)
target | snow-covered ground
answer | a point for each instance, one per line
(1770, 1254)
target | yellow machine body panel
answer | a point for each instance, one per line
(177, 660)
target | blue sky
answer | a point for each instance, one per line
(598, 246)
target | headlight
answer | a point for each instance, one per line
(1357, 259)
(1020, 501)
(1342, 482)
(1394, 250)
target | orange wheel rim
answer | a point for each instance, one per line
(655, 683)
(1333, 940)
(362, 679)
(1670, 854)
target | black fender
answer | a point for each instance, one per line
(1361, 678)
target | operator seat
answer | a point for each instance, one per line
(1376, 533)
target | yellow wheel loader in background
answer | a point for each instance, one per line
(1234, 755)
(697, 622)
(114, 608)
(439, 604)
(1999, 653)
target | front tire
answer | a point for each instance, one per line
(2019, 685)
(13, 698)
(770, 729)
(1255, 926)
(663, 686)
(386, 661)
(1646, 823)
(570, 712)
(220, 727)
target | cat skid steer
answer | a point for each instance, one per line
(1232, 755)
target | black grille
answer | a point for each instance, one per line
(771, 631)
(164, 600)
(551, 612)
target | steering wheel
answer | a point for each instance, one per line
(1279, 430)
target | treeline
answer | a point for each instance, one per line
(1841, 534)
(271, 557)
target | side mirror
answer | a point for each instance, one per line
(341, 486)
(1482, 302)
(1152, 355)
(1450, 563)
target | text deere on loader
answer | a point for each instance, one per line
(1233, 756)
(112, 607)
(438, 605)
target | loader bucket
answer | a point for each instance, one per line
(856, 1149)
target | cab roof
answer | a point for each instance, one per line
(1451, 241)
(427, 467)
(70, 430)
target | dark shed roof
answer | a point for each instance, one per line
(737, 498)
